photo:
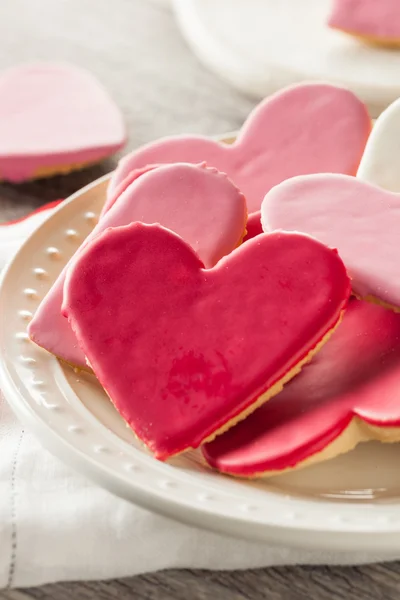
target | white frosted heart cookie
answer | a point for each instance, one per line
(380, 163)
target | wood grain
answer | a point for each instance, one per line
(136, 50)
(378, 582)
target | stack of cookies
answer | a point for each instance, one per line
(239, 298)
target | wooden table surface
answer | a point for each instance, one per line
(135, 48)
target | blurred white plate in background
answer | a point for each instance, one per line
(260, 46)
(162, 2)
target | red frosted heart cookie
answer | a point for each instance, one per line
(308, 128)
(360, 220)
(350, 392)
(200, 204)
(54, 118)
(179, 352)
(375, 21)
(253, 226)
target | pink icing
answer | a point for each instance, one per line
(357, 373)
(308, 128)
(54, 115)
(375, 18)
(200, 204)
(360, 220)
(125, 183)
(181, 350)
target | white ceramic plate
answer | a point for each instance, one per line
(262, 45)
(351, 503)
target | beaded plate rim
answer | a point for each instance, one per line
(38, 391)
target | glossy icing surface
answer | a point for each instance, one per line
(359, 219)
(357, 373)
(53, 115)
(374, 18)
(380, 162)
(200, 204)
(308, 128)
(175, 346)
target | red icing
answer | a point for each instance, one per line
(357, 373)
(307, 128)
(198, 203)
(253, 226)
(361, 220)
(182, 350)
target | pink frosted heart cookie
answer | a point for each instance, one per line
(349, 393)
(200, 204)
(359, 219)
(374, 21)
(125, 183)
(178, 351)
(54, 118)
(308, 128)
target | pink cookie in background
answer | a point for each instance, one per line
(185, 352)
(200, 204)
(349, 392)
(54, 118)
(307, 128)
(360, 220)
(375, 21)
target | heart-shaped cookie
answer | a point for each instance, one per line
(54, 118)
(375, 21)
(380, 162)
(133, 175)
(308, 128)
(359, 219)
(179, 352)
(253, 226)
(350, 392)
(200, 204)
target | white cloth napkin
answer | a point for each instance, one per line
(56, 526)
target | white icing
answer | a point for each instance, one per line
(380, 164)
